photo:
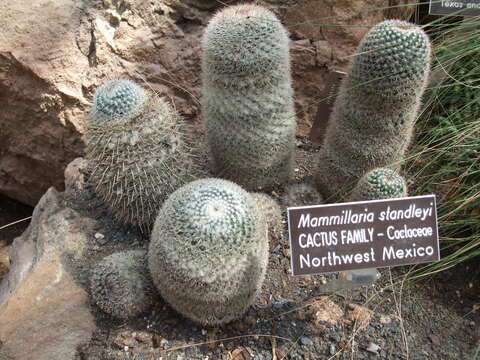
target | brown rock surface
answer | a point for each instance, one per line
(4, 259)
(325, 34)
(45, 312)
(54, 54)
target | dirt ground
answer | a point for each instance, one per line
(295, 318)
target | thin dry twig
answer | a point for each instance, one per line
(15, 222)
(398, 305)
(226, 339)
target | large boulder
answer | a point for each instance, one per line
(44, 307)
(54, 54)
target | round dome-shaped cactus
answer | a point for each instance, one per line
(208, 251)
(138, 150)
(379, 184)
(247, 97)
(121, 285)
(373, 117)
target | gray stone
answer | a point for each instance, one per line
(45, 312)
(306, 341)
(373, 348)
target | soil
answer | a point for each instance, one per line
(294, 318)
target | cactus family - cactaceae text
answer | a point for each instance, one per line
(137, 150)
(379, 183)
(209, 250)
(121, 285)
(374, 114)
(247, 96)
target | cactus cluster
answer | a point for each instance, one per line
(374, 113)
(121, 285)
(137, 149)
(209, 250)
(380, 183)
(247, 97)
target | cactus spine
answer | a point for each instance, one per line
(247, 96)
(121, 285)
(137, 149)
(379, 184)
(374, 113)
(209, 250)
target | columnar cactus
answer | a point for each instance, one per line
(375, 111)
(121, 285)
(137, 149)
(247, 96)
(379, 184)
(208, 251)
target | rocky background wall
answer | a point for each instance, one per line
(53, 54)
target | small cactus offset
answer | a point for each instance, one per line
(379, 184)
(209, 250)
(121, 285)
(301, 194)
(272, 212)
(374, 114)
(137, 150)
(247, 97)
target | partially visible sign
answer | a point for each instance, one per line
(457, 7)
(325, 107)
(366, 234)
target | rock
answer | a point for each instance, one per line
(360, 314)
(434, 339)
(325, 310)
(385, 319)
(281, 304)
(240, 354)
(74, 178)
(48, 75)
(4, 259)
(44, 311)
(40, 95)
(124, 339)
(373, 348)
(144, 337)
(54, 54)
(327, 47)
(306, 341)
